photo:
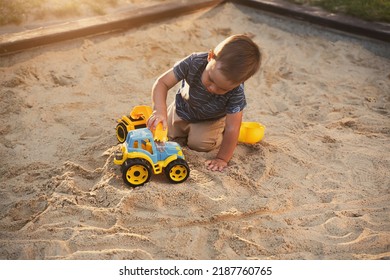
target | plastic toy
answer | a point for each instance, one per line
(137, 119)
(141, 156)
(143, 152)
(251, 132)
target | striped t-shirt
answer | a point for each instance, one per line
(193, 102)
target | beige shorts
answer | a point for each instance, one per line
(200, 136)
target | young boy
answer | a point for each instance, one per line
(207, 110)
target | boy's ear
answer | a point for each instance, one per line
(211, 55)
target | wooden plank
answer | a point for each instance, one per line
(10, 43)
(375, 30)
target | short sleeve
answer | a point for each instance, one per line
(237, 101)
(181, 68)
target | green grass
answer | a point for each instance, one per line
(370, 10)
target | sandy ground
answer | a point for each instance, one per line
(316, 187)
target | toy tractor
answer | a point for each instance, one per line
(144, 152)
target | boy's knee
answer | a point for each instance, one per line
(206, 136)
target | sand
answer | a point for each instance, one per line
(316, 187)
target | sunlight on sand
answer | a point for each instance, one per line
(29, 12)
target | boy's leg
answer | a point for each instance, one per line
(202, 136)
(206, 136)
(177, 127)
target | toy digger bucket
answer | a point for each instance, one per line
(160, 134)
(251, 132)
(143, 111)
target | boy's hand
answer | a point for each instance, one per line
(216, 164)
(155, 119)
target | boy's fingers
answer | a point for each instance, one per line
(165, 125)
(211, 165)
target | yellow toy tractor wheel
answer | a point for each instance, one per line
(177, 171)
(136, 172)
(121, 132)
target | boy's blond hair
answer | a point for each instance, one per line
(239, 58)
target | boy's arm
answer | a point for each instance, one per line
(159, 99)
(229, 142)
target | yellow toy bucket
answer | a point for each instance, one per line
(251, 132)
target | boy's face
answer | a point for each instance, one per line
(214, 81)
